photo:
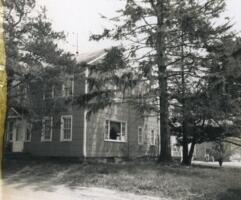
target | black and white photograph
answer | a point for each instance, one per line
(120, 99)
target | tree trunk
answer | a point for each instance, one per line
(165, 154)
(185, 160)
(220, 162)
(190, 156)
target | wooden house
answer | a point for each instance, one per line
(116, 131)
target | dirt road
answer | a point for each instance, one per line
(61, 192)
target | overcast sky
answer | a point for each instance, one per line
(82, 17)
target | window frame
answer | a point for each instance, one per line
(25, 136)
(52, 93)
(121, 134)
(43, 129)
(62, 139)
(152, 142)
(64, 87)
(176, 150)
(8, 131)
(18, 135)
(140, 142)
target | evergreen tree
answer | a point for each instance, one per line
(197, 31)
(32, 51)
(160, 36)
(214, 101)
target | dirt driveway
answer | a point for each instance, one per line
(61, 192)
(56, 181)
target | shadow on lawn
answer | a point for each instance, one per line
(45, 175)
(230, 194)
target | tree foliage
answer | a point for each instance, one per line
(32, 52)
(166, 47)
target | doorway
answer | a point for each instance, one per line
(18, 137)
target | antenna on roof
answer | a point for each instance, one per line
(77, 43)
(73, 41)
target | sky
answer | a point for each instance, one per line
(82, 18)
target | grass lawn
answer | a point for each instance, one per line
(174, 182)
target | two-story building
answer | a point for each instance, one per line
(63, 129)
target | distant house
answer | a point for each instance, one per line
(64, 130)
(204, 151)
(207, 152)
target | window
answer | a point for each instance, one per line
(25, 90)
(176, 151)
(66, 128)
(48, 92)
(140, 99)
(10, 131)
(18, 133)
(152, 137)
(68, 87)
(47, 125)
(115, 131)
(140, 135)
(28, 134)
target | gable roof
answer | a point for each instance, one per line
(91, 56)
(13, 113)
(17, 112)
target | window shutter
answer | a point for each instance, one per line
(123, 131)
(140, 135)
(72, 87)
(51, 128)
(63, 89)
(107, 124)
(61, 127)
(43, 129)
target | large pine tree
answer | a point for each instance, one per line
(162, 40)
(197, 32)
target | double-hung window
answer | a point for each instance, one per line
(176, 150)
(48, 92)
(66, 128)
(115, 131)
(68, 87)
(140, 135)
(47, 129)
